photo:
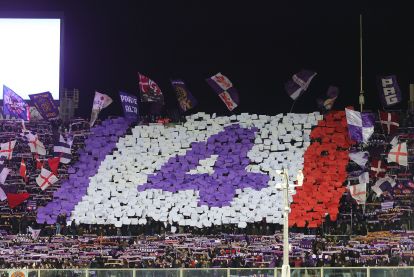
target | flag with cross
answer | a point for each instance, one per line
(389, 122)
(398, 154)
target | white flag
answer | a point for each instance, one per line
(36, 146)
(6, 149)
(46, 179)
(101, 101)
(359, 193)
(399, 154)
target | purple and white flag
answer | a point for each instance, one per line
(45, 104)
(299, 83)
(63, 149)
(383, 184)
(389, 90)
(225, 90)
(14, 105)
(360, 125)
(185, 99)
(360, 158)
(130, 105)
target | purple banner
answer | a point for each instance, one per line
(45, 104)
(389, 90)
(225, 90)
(185, 99)
(130, 105)
(14, 105)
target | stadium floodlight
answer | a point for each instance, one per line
(288, 189)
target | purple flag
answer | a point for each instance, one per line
(299, 83)
(14, 105)
(327, 104)
(225, 90)
(130, 105)
(185, 99)
(389, 90)
(45, 104)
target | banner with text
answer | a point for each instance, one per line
(130, 105)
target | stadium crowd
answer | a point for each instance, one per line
(197, 251)
(363, 235)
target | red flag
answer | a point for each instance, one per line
(378, 169)
(54, 164)
(389, 122)
(15, 199)
(39, 163)
(23, 170)
(150, 91)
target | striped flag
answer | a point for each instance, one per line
(45, 179)
(387, 205)
(62, 149)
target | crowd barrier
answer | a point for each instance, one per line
(215, 272)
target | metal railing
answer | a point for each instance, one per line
(214, 272)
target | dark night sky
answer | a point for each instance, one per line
(257, 44)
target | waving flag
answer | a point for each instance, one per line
(45, 179)
(3, 195)
(54, 164)
(383, 184)
(389, 122)
(360, 158)
(4, 172)
(39, 163)
(45, 104)
(34, 232)
(327, 104)
(100, 102)
(185, 99)
(299, 83)
(22, 170)
(378, 168)
(389, 90)
(14, 105)
(36, 146)
(63, 150)
(225, 90)
(360, 125)
(15, 199)
(398, 154)
(359, 193)
(6, 149)
(150, 91)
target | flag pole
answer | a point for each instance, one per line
(361, 92)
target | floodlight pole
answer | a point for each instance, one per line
(361, 91)
(286, 210)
